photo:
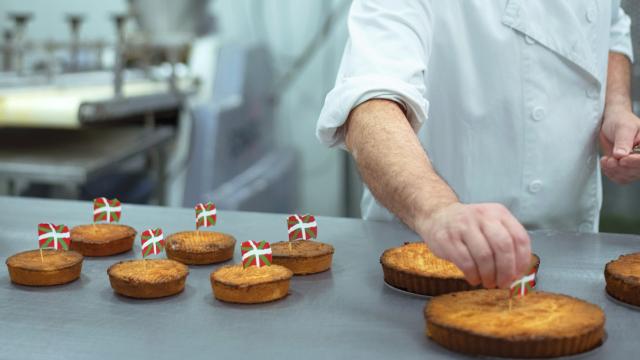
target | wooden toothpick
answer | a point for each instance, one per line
(41, 256)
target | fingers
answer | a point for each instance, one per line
(465, 262)
(502, 245)
(482, 254)
(622, 171)
(521, 243)
(623, 138)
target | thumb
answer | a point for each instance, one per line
(623, 140)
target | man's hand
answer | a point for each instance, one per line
(484, 240)
(619, 134)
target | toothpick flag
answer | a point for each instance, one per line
(152, 242)
(205, 214)
(106, 210)
(302, 227)
(525, 284)
(255, 253)
(53, 236)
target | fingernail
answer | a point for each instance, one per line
(620, 151)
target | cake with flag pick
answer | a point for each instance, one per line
(201, 247)
(148, 279)
(302, 254)
(622, 277)
(104, 237)
(254, 281)
(414, 268)
(538, 325)
(52, 264)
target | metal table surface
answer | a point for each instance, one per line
(347, 312)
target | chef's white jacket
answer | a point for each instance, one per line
(506, 96)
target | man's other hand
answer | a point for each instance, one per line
(620, 132)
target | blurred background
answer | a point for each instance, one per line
(178, 102)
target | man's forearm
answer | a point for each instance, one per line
(618, 96)
(393, 163)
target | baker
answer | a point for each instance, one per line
(471, 121)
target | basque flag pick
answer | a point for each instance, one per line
(53, 236)
(302, 227)
(106, 210)
(152, 242)
(205, 214)
(522, 286)
(255, 253)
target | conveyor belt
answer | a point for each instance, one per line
(347, 313)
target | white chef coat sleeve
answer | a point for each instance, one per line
(385, 57)
(620, 33)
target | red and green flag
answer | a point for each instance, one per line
(152, 242)
(255, 253)
(53, 236)
(302, 227)
(205, 215)
(106, 210)
(522, 286)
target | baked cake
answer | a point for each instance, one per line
(538, 325)
(102, 239)
(251, 285)
(55, 267)
(303, 257)
(147, 279)
(414, 268)
(623, 278)
(200, 247)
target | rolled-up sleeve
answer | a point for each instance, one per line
(620, 34)
(385, 57)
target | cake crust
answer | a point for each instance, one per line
(303, 257)
(235, 284)
(59, 267)
(148, 279)
(414, 268)
(200, 247)
(102, 239)
(622, 277)
(539, 325)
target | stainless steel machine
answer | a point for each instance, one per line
(207, 105)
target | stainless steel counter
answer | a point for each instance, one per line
(345, 313)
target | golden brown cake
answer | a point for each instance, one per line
(102, 239)
(55, 267)
(539, 324)
(414, 268)
(303, 257)
(623, 278)
(200, 247)
(252, 285)
(148, 279)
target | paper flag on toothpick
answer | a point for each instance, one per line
(255, 253)
(525, 284)
(302, 227)
(106, 210)
(205, 215)
(152, 242)
(53, 236)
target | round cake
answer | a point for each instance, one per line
(539, 324)
(55, 267)
(102, 239)
(200, 247)
(623, 278)
(148, 279)
(414, 268)
(303, 257)
(252, 285)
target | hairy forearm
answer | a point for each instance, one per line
(618, 96)
(392, 162)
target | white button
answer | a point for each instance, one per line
(538, 113)
(585, 227)
(535, 186)
(592, 14)
(529, 40)
(592, 93)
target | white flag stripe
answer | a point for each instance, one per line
(302, 226)
(522, 281)
(106, 208)
(257, 252)
(153, 240)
